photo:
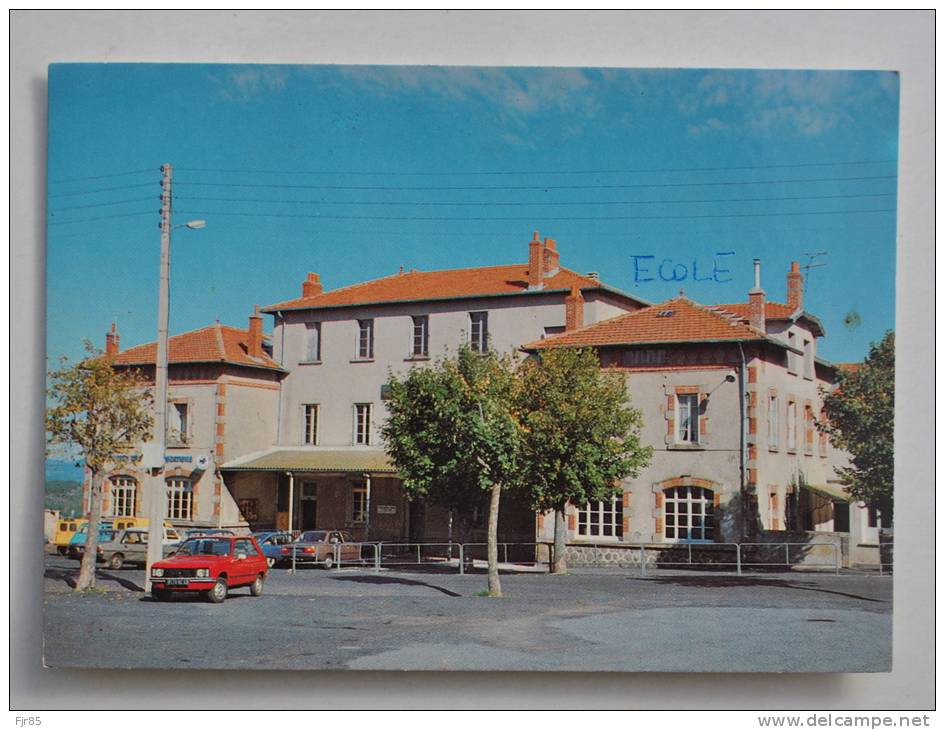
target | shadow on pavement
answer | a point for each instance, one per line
(745, 582)
(69, 578)
(380, 579)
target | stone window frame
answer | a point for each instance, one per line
(180, 440)
(116, 488)
(659, 509)
(671, 414)
(790, 429)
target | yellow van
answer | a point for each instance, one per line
(65, 531)
(125, 523)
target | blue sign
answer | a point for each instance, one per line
(179, 458)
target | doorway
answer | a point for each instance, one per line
(308, 507)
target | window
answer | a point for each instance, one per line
(791, 357)
(310, 423)
(359, 505)
(822, 435)
(809, 429)
(421, 336)
(808, 359)
(873, 517)
(313, 342)
(603, 518)
(773, 421)
(180, 494)
(246, 547)
(479, 331)
(687, 409)
(249, 509)
(774, 512)
(124, 491)
(555, 330)
(791, 425)
(177, 428)
(362, 423)
(366, 339)
(689, 514)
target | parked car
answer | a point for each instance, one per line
(131, 547)
(271, 543)
(206, 532)
(77, 544)
(324, 547)
(212, 565)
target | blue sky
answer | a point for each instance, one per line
(355, 171)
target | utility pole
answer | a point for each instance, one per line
(158, 485)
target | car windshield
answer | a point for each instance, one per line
(314, 536)
(205, 546)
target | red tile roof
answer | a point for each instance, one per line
(773, 310)
(675, 320)
(216, 343)
(412, 286)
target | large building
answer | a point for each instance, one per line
(286, 435)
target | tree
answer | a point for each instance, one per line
(104, 413)
(452, 434)
(859, 421)
(581, 437)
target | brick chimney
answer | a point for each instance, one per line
(312, 286)
(573, 310)
(756, 301)
(795, 287)
(255, 341)
(550, 259)
(111, 342)
(536, 260)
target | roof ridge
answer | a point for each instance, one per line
(220, 343)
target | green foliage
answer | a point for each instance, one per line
(580, 435)
(451, 431)
(65, 496)
(102, 411)
(860, 421)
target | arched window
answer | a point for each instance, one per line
(124, 491)
(689, 514)
(180, 499)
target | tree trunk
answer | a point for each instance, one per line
(492, 546)
(559, 564)
(87, 571)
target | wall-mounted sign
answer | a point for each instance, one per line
(386, 509)
(176, 458)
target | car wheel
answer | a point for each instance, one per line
(256, 588)
(217, 594)
(160, 594)
(270, 562)
(328, 562)
(62, 550)
(116, 561)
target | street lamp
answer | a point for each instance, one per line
(159, 486)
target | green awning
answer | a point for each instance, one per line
(830, 491)
(370, 461)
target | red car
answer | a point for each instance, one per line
(212, 565)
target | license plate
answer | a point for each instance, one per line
(177, 581)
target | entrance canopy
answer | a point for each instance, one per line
(314, 460)
(832, 492)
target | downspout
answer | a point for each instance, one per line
(291, 496)
(743, 440)
(282, 382)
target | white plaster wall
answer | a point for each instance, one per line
(251, 413)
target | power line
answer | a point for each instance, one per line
(529, 218)
(440, 173)
(101, 177)
(535, 187)
(189, 198)
(102, 190)
(101, 218)
(99, 205)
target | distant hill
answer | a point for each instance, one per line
(65, 496)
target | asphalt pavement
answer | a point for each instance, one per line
(590, 620)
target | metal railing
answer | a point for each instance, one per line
(463, 556)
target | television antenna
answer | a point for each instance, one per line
(812, 263)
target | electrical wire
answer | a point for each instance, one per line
(99, 205)
(102, 177)
(102, 190)
(440, 173)
(532, 187)
(189, 198)
(102, 218)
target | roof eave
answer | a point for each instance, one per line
(274, 368)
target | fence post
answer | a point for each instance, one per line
(643, 561)
(839, 557)
(738, 558)
(505, 552)
(787, 555)
(462, 566)
(293, 560)
(418, 553)
(377, 557)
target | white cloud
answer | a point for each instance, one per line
(246, 82)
